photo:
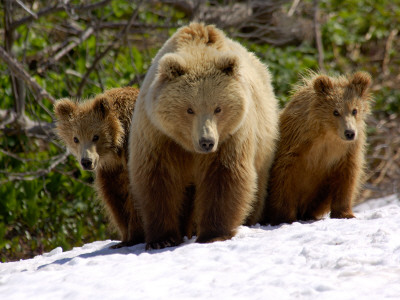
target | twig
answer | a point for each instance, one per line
(85, 35)
(67, 46)
(388, 47)
(26, 9)
(113, 44)
(28, 176)
(71, 175)
(318, 37)
(57, 8)
(15, 156)
(293, 7)
(20, 72)
(38, 129)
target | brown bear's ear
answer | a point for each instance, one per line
(323, 85)
(171, 66)
(64, 109)
(102, 106)
(360, 82)
(228, 65)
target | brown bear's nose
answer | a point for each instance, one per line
(86, 163)
(349, 134)
(206, 144)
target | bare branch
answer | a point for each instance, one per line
(38, 129)
(20, 72)
(28, 176)
(20, 3)
(14, 156)
(293, 7)
(318, 36)
(85, 35)
(388, 47)
(57, 8)
(112, 45)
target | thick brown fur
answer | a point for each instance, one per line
(206, 117)
(319, 164)
(96, 132)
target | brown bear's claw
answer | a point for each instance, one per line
(123, 244)
(161, 244)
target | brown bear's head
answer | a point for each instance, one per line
(90, 130)
(199, 99)
(341, 104)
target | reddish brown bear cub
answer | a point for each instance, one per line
(96, 132)
(206, 117)
(319, 163)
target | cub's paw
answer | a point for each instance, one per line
(162, 244)
(342, 215)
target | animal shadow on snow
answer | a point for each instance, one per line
(107, 250)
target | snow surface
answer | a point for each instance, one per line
(327, 259)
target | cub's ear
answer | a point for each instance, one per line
(228, 65)
(64, 109)
(102, 106)
(360, 82)
(323, 85)
(171, 66)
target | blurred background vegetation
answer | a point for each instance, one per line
(59, 48)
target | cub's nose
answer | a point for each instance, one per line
(87, 163)
(349, 134)
(206, 144)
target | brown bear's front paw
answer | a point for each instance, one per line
(162, 244)
(129, 243)
(121, 245)
(342, 215)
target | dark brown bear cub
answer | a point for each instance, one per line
(319, 163)
(96, 132)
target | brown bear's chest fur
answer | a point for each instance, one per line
(321, 161)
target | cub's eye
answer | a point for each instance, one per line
(336, 113)
(190, 111)
(76, 141)
(217, 110)
(354, 112)
(95, 138)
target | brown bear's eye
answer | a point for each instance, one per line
(336, 113)
(217, 110)
(76, 141)
(354, 112)
(190, 111)
(95, 138)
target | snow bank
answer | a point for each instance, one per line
(328, 259)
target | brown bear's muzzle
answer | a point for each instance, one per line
(206, 145)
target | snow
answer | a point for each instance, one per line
(326, 259)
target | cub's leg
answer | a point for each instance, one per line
(282, 203)
(343, 189)
(113, 186)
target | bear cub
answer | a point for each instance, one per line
(96, 132)
(319, 164)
